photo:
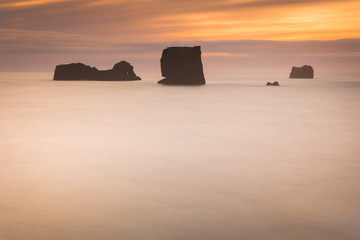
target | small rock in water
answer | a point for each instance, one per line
(276, 83)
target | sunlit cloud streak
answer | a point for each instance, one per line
(57, 42)
(36, 34)
(188, 20)
(26, 50)
(29, 3)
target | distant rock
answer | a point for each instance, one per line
(182, 66)
(305, 71)
(122, 71)
(276, 83)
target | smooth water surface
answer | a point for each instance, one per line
(230, 160)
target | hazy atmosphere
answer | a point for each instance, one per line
(220, 120)
(236, 36)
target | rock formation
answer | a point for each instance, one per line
(182, 66)
(276, 83)
(122, 71)
(305, 71)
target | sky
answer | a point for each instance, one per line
(235, 35)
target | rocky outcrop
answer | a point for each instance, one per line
(305, 71)
(182, 66)
(276, 83)
(122, 71)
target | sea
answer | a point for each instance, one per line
(231, 160)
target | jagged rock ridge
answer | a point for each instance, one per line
(122, 71)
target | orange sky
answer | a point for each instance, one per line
(51, 26)
(188, 20)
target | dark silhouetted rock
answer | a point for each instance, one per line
(276, 83)
(305, 71)
(182, 66)
(121, 71)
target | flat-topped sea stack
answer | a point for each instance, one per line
(305, 71)
(122, 71)
(182, 66)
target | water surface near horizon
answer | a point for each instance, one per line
(233, 159)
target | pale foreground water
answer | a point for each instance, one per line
(137, 161)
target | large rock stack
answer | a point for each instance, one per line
(182, 66)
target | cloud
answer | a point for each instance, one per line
(34, 42)
(216, 54)
(24, 50)
(20, 42)
(29, 3)
(187, 20)
(40, 34)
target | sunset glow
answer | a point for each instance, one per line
(186, 20)
(14, 4)
(179, 119)
(313, 21)
(56, 26)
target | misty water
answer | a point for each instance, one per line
(230, 160)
